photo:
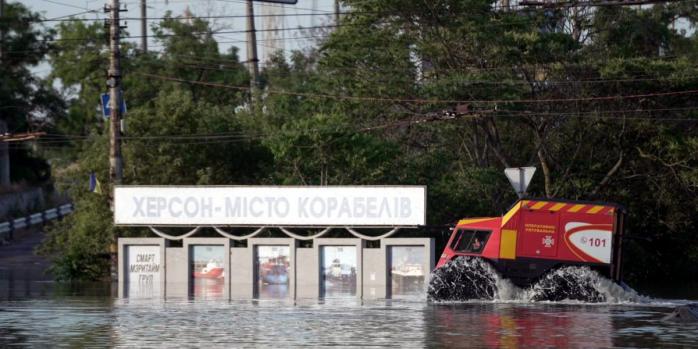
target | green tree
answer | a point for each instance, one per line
(440, 93)
(175, 133)
(27, 103)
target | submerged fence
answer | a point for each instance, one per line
(7, 228)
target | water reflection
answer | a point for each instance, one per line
(57, 322)
(522, 326)
(81, 316)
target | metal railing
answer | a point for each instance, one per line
(8, 227)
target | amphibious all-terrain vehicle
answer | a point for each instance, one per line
(537, 236)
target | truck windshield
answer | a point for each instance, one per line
(470, 241)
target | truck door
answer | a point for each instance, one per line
(587, 237)
(539, 234)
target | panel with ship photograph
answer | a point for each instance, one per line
(272, 264)
(338, 274)
(407, 272)
(207, 270)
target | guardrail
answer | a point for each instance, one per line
(8, 227)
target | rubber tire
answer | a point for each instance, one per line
(463, 278)
(567, 283)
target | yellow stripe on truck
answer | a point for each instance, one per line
(557, 207)
(539, 205)
(474, 220)
(576, 208)
(511, 213)
(507, 247)
(595, 209)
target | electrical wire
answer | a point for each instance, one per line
(203, 17)
(55, 140)
(183, 62)
(423, 100)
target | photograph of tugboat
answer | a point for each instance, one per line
(272, 271)
(406, 271)
(212, 270)
(207, 271)
(339, 271)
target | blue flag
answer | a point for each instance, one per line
(95, 186)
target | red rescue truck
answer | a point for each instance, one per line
(538, 235)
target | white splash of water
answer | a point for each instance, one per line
(468, 279)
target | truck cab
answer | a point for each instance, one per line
(538, 235)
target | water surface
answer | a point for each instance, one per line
(86, 316)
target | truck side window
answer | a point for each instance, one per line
(470, 241)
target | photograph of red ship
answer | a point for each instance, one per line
(207, 270)
(212, 270)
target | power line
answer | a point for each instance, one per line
(531, 5)
(64, 4)
(56, 140)
(200, 32)
(569, 4)
(198, 17)
(282, 6)
(223, 138)
(593, 114)
(164, 45)
(519, 21)
(183, 61)
(424, 100)
(464, 69)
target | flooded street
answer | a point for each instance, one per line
(47, 315)
(38, 312)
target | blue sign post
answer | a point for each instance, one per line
(106, 109)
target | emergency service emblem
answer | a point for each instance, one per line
(548, 241)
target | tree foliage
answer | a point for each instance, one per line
(27, 103)
(440, 93)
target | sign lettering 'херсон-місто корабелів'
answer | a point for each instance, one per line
(255, 205)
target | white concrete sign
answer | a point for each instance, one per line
(260, 206)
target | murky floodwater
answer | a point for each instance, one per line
(47, 315)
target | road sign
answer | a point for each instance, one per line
(106, 109)
(520, 178)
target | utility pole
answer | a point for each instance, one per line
(4, 147)
(252, 53)
(336, 12)
(505, 5)
(144, 27)
(114, 83)
(2, 32)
